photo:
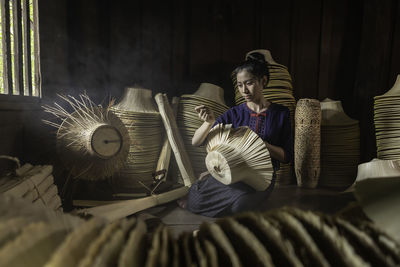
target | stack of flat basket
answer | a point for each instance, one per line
(340, 146)
(210, 95)
(278, 90)
(387, 123)
(139, 114)
(34, 184)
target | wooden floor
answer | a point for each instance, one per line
(327, 201)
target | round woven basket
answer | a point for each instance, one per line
(307, 142)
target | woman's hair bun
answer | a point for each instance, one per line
(257, 56)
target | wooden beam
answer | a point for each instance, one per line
(27, 48)
(6, 46)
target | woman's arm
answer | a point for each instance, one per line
(206, 115)
(276, 152)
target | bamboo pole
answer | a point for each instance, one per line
(175, 139)
(125, 208)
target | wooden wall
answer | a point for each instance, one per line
(342, 49)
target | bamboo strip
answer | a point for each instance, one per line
(125, 208)
(30, 181)
(175, 139)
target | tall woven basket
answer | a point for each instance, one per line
(307, 142)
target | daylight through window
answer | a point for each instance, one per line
(19, 46)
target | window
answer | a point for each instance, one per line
(19, 45)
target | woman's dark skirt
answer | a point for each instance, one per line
(211, 198)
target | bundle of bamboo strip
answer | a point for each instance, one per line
(33, 183)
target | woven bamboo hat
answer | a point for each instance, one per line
(340, 146)
(238, 154)
(212, 92)
(188, 121)
(137, 99)
(387, 123)
(378, 168)
(92, 142)
(266, 53)
(139, 114)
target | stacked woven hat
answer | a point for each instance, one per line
(387, 122)
(210, 95)
(34, 184)
(138, 112)
(278, 90)
(307, 142)
(340, 146)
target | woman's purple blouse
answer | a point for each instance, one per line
(272, 125)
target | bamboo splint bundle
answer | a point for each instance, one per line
(34, 184)
(175, 139)
(238, 154)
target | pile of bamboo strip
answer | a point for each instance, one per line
(282, 237)
(33, 183)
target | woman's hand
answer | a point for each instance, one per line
(205, 114)
(276, 152)
(208, 118)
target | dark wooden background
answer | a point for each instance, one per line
(342, 49)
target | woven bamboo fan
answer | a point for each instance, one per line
(387, 123)
(138, 112)
(238, 154)
(340, 146)
(307, 142)
(92, 142)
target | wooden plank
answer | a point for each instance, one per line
(373, 66)
(18, 52)
(180, 46)
(27, 48)
(38, 75)
(306, 28)
(238, 36)
(156, 49)
(205, 42)
(125, 50)
(395, 62)
(276, 29)
(340, 38)
(6, 47)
